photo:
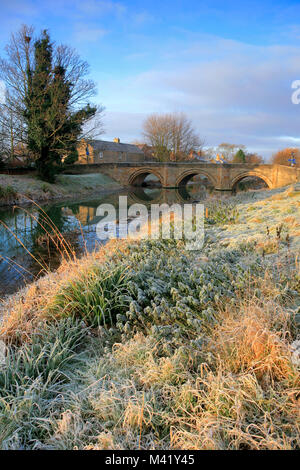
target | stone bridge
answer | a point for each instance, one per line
(173, 175)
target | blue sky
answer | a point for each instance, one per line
(228, 65)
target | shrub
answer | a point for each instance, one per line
(222, 213)
(45, 187)
(96, 297)
(7, 193)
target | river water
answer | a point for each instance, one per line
(25, 248)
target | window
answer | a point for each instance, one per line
(100, 155)
(120, 156)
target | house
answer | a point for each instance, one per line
(220, 159)
(197, 156)
(147, 150)
(18, 157)
(98, 151)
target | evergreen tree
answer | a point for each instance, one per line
(45, 85)
(239, 157)
(53, 126)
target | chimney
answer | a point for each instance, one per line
(117, 140)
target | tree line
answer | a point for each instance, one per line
(171, 136)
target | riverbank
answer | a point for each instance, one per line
(146, 345)
(20, 190)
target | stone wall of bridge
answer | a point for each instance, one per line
(172, 175)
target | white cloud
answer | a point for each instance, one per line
(85, 34)
(233, 92)
(288, 139)
(101, 7)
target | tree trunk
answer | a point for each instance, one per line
(44, 164)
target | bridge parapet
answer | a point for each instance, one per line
(174, 174)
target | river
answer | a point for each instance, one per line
(25, 248)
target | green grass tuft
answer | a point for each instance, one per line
(96, 297)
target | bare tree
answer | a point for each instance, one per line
(283, 156)
(15, 71)
(12, 128)
(254, 158)
(172, 136)
(94, 127)
(229, 150)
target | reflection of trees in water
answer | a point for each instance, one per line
(49, 218)
(144, 194)
(194, 187)
(68, 217)
(27, 227)
(182, 194)
(193, 192)
(250, 183)
(16, 260)
(20, 224)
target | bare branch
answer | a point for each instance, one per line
(172, 135)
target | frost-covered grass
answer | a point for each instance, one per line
(7, 193)
(172, 349)
(22, 188)
(258, 221)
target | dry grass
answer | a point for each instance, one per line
(256, 338)
(250, 396)
(256, 220)
(23, 313)
(267, 247)
(208, 374)
(233, 412)
(291, 221)
(243, 392)
(245, 397)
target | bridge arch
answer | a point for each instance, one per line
(184, 177)
(241, 176)
(140, 195)
(138, 177)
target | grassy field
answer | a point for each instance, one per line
(18, 189)
(146, 345)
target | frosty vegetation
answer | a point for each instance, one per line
(149, 346)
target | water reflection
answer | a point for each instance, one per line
(76, 220)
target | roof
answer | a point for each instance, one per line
(202, 159)
(198, 157)
(101, 145)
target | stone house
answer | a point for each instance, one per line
(198, 156)
(98, 151)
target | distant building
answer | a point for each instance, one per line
(102, 151)
(220, 159)
(19, 157)
(147, 150)
(198, 156)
